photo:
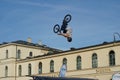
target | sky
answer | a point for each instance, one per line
(93, 21)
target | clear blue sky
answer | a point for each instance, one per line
(93, 21)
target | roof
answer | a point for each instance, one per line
(33, 44)
(73, 49)
(102, 44)
(53, 51)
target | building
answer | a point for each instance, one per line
(21, 58)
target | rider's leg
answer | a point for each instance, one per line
(64, 25)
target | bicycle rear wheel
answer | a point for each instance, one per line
(56, 28)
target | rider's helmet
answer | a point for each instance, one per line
(69, 39)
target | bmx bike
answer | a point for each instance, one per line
(66, 20)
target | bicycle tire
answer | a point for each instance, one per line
(68, 18)
(56, 28)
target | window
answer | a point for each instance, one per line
(65, 61)
(6, 54)
(18, 54)
(30, 54)
(29, 69)
(51, 66)
(94, 61)
(40, 68)
(6, 71)
(78, 65)
(20, 70)
(111, 58)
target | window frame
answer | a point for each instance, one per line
(6, 71)
(18, 56)
(78, 63)
(30, 54)
(51, 66)
(29, 69)
(112, 58)
(6, 54)
(94, 60)
(20, 70)
(40, 68)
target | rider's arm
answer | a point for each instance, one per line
(64, 34)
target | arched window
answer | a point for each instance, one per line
(18, 54)
(78, 65)
(65, 61)
(40, 68)
(19, 70)
(51, 66)
(29, 69)
(94, 61)
(111, 58)
(6, 54)
(6, 71)
(30, 54)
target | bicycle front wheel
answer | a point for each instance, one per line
(68, 18)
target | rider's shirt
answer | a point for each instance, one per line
(69, 31)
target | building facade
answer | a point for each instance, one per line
(21, 59)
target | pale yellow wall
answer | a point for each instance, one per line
(11, 52)
(87, 70)
(11, 69)
(10, 61)
(117, 51)
(25, 50)
(71, 60)
(103, 72)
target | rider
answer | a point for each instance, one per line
(67, 32)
